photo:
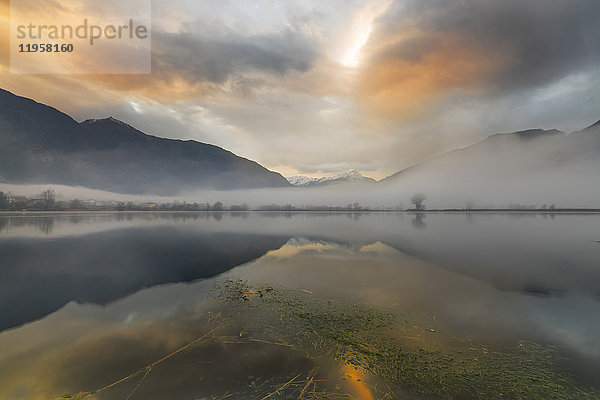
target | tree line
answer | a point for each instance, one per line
(47, 201)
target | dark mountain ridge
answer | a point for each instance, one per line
(39, 144)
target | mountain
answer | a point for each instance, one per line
(39, 144)
(350, 176)
(527, 167)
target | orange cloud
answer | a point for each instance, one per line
(4, 34)
(401, 81)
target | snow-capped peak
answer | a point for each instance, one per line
(350, 176)
(300, 180)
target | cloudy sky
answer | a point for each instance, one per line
(313, 87)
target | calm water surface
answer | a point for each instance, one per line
(89, 299)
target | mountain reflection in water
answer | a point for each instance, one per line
(495, 277)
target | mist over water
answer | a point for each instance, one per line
(534, 168)
(559, 190)
(152, 248)
(137, 282)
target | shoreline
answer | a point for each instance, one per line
(300, 211)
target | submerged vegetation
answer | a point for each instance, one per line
(371, 340)
(338, 350)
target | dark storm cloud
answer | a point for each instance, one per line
(535, 41)
(215, 60)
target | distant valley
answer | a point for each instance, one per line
(41, 145)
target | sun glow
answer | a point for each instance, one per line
(351, 57)
(359, 31)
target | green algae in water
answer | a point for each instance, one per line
(366, 337)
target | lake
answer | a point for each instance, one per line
(299, 306)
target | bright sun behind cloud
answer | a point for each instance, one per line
(359, 30)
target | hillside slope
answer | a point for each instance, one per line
(39, 144)
(527, 167)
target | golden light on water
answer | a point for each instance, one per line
(357, 382)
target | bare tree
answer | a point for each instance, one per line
(419, 201)
(4, 203)
(18, 203)
(48, 198)
(218, 206)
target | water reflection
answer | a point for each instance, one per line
(490, 277)
(419, 221)
(40, 275)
